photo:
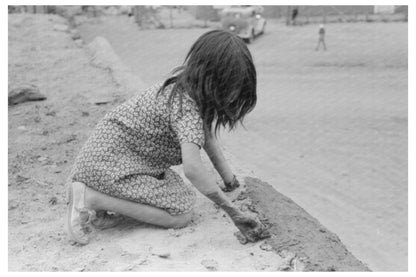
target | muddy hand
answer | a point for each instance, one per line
(251, 229)
(231, 185)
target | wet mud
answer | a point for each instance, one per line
(295, 234)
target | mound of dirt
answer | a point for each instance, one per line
(104, 57)
(296, 234)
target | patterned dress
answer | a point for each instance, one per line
(130, 153)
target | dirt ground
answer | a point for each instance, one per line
(329, 129)
(44, 138)
(347, 134)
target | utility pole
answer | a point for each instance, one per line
(171, 16)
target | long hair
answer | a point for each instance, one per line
(219, 75)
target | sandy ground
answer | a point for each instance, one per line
(44, 138)
(330, 128)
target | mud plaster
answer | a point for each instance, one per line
(297, 235)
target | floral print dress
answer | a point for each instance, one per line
(131, 150)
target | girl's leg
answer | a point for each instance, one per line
(96, 200)
(82, 199)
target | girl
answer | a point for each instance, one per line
(321, 38)
(125, 165)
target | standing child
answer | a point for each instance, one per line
(321, 38)
(294, 15)
(124, 166)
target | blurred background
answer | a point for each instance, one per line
(330, 126)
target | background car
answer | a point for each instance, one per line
(245, 21)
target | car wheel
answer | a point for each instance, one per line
(251, 38)
(263, 29)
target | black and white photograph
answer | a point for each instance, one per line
(207, 138)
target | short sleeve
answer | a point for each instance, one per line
(187, 123)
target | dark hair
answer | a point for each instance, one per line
(219, 75)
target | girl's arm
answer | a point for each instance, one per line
(205, 183)
(217, 158)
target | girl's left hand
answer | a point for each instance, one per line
(231, 185)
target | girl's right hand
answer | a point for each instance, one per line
(252, 229)
(231, 185)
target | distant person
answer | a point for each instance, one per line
(294, 15)
(124, 167)
(321, 39)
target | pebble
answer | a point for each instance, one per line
(164, 255)
(42, 159)
(22, 128)
(75, 35)
(266, 247)
(53, 200)
(284, 268)
(21, 179)
(24, 93)
(143, 262)
(129, 267)
(174, 233)
(71, 138)
(60, 27)
(211, 265)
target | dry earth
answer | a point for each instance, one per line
(81, 85)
